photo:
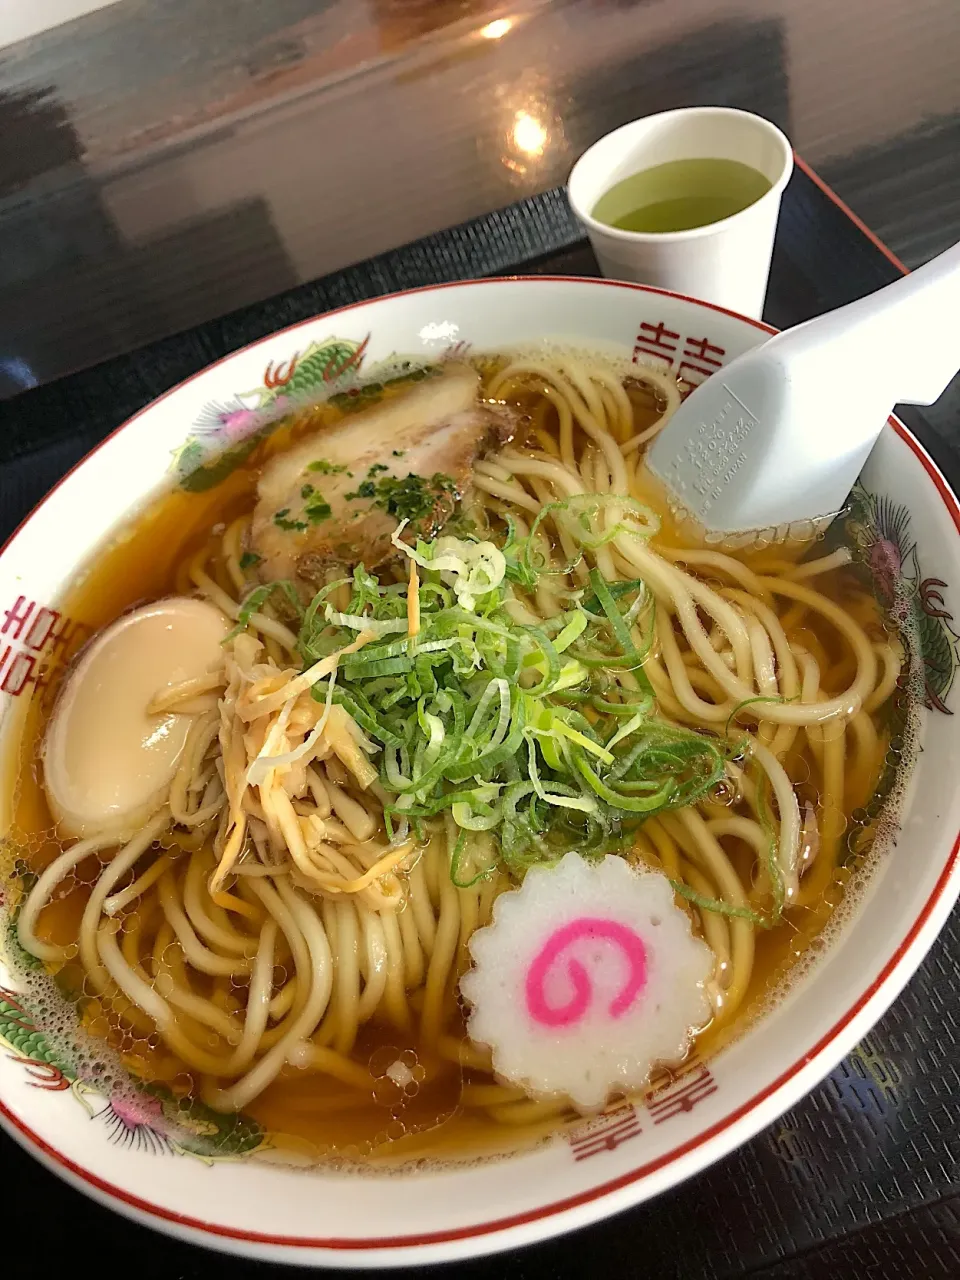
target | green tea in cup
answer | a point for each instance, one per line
(681, 195)
(686, 200)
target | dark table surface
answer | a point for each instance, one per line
(861, 1178)
(165, 163)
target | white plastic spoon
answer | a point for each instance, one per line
(774, 442)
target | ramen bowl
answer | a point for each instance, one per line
(250, 1199)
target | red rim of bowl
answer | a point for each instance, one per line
(123, 1200)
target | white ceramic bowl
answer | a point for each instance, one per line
(251, 1206)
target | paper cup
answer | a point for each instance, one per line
(725, 262)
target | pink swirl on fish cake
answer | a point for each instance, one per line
(593, 928)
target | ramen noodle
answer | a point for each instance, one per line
(424, 786)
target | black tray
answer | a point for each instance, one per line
(860, 1179)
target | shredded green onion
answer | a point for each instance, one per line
(526, 741)
(718, 905)
(258, 598)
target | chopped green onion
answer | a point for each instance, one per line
(258, 598)
(525, 740)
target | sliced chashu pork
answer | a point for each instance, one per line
(337, 496)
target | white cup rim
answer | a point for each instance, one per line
(692, 233)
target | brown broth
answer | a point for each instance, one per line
(309, 1115)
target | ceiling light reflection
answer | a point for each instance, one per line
(497, 29)
(530, 134)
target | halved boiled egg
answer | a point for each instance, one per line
(108, 764)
